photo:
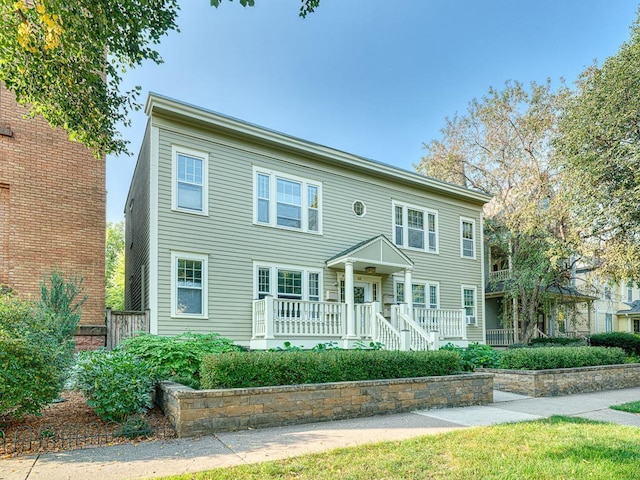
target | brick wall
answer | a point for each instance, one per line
(52, 208)
(564, 381)
(204, 412)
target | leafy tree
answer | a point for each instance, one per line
(599, 150)
(52, 56)
(503, 146)
(114, 265)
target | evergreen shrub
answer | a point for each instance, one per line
(544, 358)
(259, 369)
(629, 342)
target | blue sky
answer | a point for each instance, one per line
(375, 78)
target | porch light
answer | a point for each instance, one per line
(369, 270)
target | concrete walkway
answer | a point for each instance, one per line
(154, 459)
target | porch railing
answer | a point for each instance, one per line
(281, 317)
(450, 323)
(418, 337)
(385, 333)
(499, 275)
(500, 336)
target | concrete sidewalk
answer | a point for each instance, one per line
(154, 459)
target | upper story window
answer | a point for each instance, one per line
(467, 238)
(189, 180)
(629, 292)
(415, 228)
(287, 202)
(189, 285)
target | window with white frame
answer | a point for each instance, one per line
(287, 202)
(189, 180)
(469, 304)
(629, 292)
(608, 322)
(424, 294)
(288, 282)
(189, 284)
(415, 228)
(467, 238)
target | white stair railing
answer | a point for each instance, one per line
(419, 338)
(384, 333)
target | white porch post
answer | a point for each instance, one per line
(349, 300)
(268, 317)
(408, 292)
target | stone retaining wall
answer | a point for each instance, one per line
(203, 412)
(564, 381)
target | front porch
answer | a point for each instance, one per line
(307, 323)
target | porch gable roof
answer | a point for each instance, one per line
(377, 252)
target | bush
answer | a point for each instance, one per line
(116, 383)
(178, 358)
(475, 356)
(557, 342)
(258, 369)
(629, 342)
(36, 345)
(544, 358)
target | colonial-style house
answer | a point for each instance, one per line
(266, 238)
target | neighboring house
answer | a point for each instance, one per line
(568, 314)
(266, 238)
(617, 304)
(52, 212)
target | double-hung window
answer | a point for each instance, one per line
(189, 284)
(287, 202)
(415, 228)
(467, 238)
(189, 192)
(469, 303)
(424, 294)
(288, 282)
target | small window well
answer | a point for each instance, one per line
(359, 209)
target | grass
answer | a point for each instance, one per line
(631, 407)
(553, 448)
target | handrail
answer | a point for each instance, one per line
(419, 339)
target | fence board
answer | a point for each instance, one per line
(121, 325)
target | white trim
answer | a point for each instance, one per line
(198, 257)
(153, 230)
(483, 282)
(425, 283)
(362, 278)
(198, 154)
(405, 227)
(162, 105)
(273, 278)
(472, 221)
(364, 208)
(305, 183)
(475, 301)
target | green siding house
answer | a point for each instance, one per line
(266, 238)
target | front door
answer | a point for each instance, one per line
(361, 292)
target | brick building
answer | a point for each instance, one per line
(52, 212)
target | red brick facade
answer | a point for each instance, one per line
(52, 208)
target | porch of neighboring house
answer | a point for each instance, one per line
(349, 316)
(503, 325)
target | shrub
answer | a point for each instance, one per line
(629, 342)
(544, 358)
(557, 342)
(36, 345)
(256, 369)
(475, 356)
(178, 358)
(116, 383)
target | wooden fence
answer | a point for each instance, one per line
(121, 325)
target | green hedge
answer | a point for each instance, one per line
(544, 358)
(557, 342)
(259, 369)
(629, 342)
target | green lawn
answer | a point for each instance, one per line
(631, 407)
(554, 448)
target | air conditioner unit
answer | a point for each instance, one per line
(471, 320)
(331, 295)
